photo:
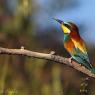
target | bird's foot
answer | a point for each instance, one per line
(70, 59)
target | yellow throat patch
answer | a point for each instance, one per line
(65, 29)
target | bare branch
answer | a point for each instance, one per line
(50, 56)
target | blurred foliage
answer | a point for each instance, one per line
(20, 75)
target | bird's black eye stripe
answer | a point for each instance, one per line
(67, 25)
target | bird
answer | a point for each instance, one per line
(74, 44)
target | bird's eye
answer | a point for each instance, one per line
(67, 25)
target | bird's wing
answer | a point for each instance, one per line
(80, 45)
(82, 59)
(81, 49)
(82, 55)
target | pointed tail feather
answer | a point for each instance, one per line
(82, 61)
(93, 70)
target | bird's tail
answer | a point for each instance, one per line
(93, 70)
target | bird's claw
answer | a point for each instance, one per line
(70, 59)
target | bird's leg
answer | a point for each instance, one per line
(70, 59)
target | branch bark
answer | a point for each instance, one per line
(50, 56)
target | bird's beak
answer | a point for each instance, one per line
(64, 28)
(60, 21)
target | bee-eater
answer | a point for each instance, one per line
(75, 45)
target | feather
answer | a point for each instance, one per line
(80, 45)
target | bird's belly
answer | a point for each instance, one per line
(69, 47)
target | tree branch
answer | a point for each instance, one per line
(50, 56)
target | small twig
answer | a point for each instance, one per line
(50, 56)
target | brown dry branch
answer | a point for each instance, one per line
(49, 56)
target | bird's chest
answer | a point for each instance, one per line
(68, 44)
(66, 38)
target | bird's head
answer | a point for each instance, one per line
(67, 27)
